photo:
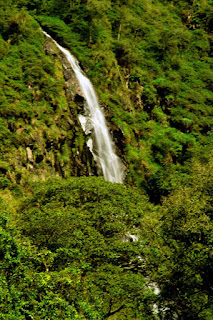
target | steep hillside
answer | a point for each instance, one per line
(150, 64)
(73, 246)
(41, 135)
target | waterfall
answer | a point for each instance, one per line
(103, 152)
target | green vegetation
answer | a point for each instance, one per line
(181, 257)
(70, 260)
(65, 238)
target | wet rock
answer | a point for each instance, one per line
(69, 76)
(50, 47)
(73, 91)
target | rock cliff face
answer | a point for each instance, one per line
(45, 135)
(81, 160)
(53, 142)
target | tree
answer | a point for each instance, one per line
(181, 249)
(77, 226)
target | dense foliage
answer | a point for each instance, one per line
(66, 244)
(182, 246)
(73, 257)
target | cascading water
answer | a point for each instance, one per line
(104, 154)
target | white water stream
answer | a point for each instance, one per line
(103, 152)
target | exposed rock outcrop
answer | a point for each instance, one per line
(52, 142)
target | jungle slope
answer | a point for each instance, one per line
(150, 64)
